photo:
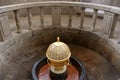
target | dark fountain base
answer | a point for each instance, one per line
(55, 76)
(75, 71)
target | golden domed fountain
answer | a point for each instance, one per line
(58, 54)
(58, 64)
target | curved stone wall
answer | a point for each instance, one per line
(30, 39)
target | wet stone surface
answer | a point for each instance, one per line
(19, 68)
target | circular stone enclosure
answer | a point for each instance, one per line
(15, 46)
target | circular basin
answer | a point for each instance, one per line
(76, 64)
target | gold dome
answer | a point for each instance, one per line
(58, 51)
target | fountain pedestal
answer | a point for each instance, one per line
(41, 70)
(61, 76)
(58, 58)
(58, 54)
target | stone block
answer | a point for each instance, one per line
(108, 18)
(5, 31)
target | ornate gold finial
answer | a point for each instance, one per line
(58, 53)
(58, 39)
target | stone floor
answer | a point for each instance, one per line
(96, 66)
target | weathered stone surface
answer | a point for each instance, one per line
(5, 31)
(13, 49)
(56, 16)
(19, 68)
